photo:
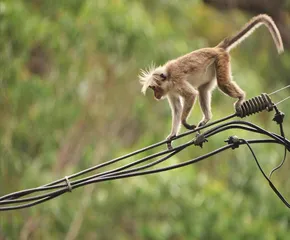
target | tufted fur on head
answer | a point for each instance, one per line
(153, 77)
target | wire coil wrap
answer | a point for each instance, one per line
(255, 105)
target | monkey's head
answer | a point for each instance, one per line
(155, 79)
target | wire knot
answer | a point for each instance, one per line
(234, 140)
(279, 117)
(200, 140)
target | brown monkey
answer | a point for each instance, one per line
(197, 73)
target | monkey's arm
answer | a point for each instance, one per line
(189, 95)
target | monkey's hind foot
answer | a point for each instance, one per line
(238, 104)
(169, 141)
(202, 123)
(238, 110)
(188, 126)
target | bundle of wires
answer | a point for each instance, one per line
(150, 163)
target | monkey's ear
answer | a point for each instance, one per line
(163, 76)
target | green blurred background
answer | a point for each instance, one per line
(70, 99)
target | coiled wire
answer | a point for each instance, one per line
(255, 105)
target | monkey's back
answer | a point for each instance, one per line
(196, 67)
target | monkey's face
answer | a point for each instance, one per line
(158, 92)
(159, 85)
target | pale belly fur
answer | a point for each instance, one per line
(203, 76)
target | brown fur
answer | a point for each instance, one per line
(197, 73)
(223, 76)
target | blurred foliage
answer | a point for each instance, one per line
(70, 99)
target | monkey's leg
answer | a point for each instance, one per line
(189, 95)
(224, 79)
(175, 104)
(205, 92)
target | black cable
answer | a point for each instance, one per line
(261, 131)
(29, 191)
(54, 195)
(265, 176)
(279, 119)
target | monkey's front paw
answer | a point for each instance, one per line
(188, 126)
(169, 139)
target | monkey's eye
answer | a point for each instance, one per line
(163, 76)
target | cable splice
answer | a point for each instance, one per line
(255, 105)
(69, 187)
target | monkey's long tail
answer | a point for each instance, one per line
(262, 19)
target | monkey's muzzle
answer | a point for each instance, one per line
(158, 93)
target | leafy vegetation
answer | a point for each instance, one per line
(70, 99)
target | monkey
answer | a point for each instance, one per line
(196, 74)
